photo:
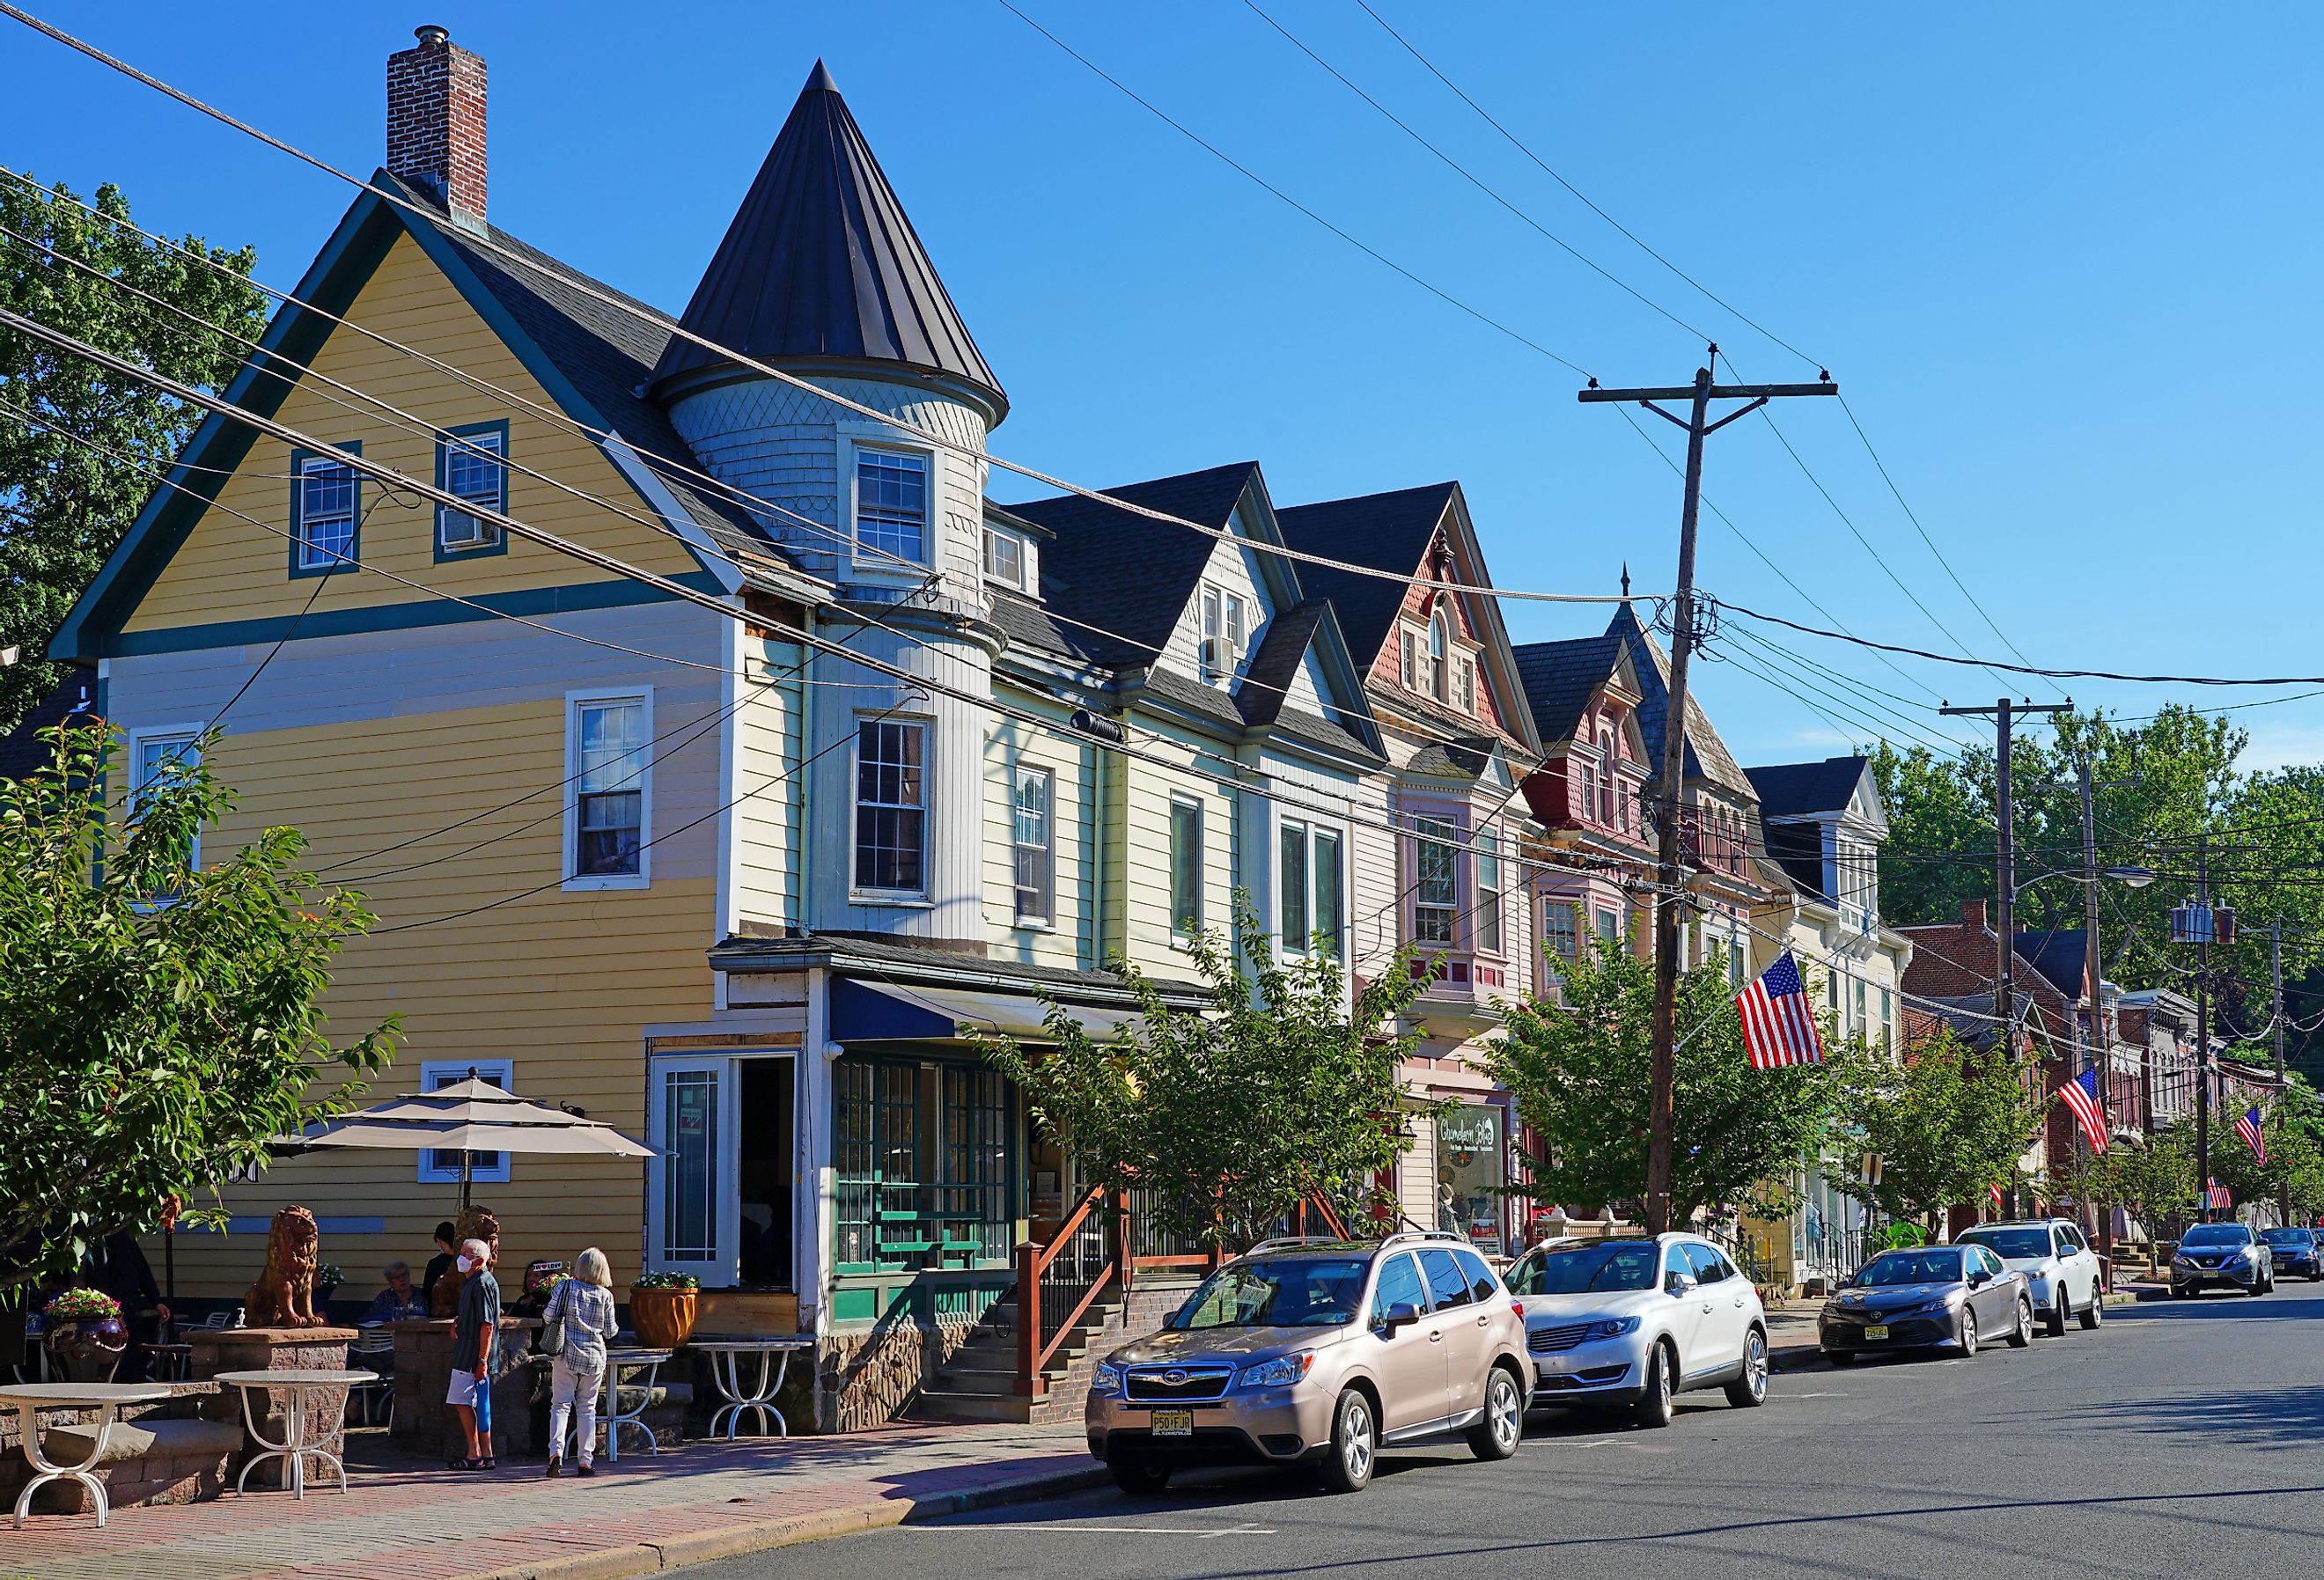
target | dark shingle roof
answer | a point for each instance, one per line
(1707, 756)
(1387, 532)
(1213, 702)
(1792, 789)
(1798, 849)
(822, 261)
(23, 753)
(1123, 573)
(1560, 678)
(2059, 954)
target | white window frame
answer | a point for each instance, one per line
(1182, 927)
(488, 441)
(1437, 829)
(1018, 546)
(1224, 614)
(871, 557)
(857, 893)
(1018, 776)
(643, 877)
(723, 1268)
(1573, 932)
(156, 734)
(1465, 670)
(1491, 910)
(1439, 655)
(500, 1073)
(306, 555)
(1410, 644)
(1338, 931)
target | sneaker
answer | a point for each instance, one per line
(585, 1469)
(556, 1467)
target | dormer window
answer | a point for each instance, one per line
(1465, 672)
(1439, 653)
(1606, 778)
(1225, 626)
(1005, 558)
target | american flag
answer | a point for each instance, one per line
(2082, 1095)
(2247, 1127)
(1779, 1029)
(2219, 1197)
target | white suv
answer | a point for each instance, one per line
(1633, 1321)
(2062, 1273)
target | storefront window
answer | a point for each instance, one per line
(1470, 1169)
(891, 1210)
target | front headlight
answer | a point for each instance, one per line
(1106, 1379)
(1612, 1327)
(2179, 1258)
(1280, 1373)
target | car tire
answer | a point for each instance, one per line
(2022, 1334)
(2061, 1305)
(1656, 1408)
(1968, 1332)
(2259, 1287)
(2180, 1292)
(1841, 1357)
(1496, 1436)
(1140, 1475)
(2095, 1312)
(1355, 1444)
(1749, 1391)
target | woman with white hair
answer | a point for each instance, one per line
(584, 1304)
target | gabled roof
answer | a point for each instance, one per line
(1560, 678)
(1268, 677)
(1707, 756)
(1124, 573)
(1804, 790)
(1797, 850)
(23, 753)
(821, 260)
(1388, 531)
(2059, 954)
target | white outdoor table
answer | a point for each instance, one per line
(296, 1444)
(725, 1366)
(29, 1398)
(633, 1358)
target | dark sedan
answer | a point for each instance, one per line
(1923, 1297)
(2295, 1252)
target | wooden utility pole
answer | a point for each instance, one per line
(1670, 886)
(2276, 984)
(2005, 855)
(2203, 1024)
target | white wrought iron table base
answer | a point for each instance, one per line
(725, 1371)
(294, 1450)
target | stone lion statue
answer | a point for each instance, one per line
(284, 1294)
(474, 1223)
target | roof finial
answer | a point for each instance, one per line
(1625, 579)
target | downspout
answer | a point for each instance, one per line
(1101, 821)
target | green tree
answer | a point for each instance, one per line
(1231, 1116)
(2153, 1179)
(1946, 1125)
(159, 1024)
(1579, 1072)
(2289, 1129)
(63, 507)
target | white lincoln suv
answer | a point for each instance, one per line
(1632, 1321)
(2062, 1273)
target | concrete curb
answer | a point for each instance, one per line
(736, 1541)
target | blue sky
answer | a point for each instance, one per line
(2061, 259)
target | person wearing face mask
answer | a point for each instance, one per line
(470, 1393)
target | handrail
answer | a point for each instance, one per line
(1033, 1349)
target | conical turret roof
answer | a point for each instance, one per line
(822, 261)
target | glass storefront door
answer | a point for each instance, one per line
(1471, 1168)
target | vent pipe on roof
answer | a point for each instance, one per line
(436, 122)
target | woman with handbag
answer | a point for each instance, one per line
(574, 1329)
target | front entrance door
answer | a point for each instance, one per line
(719, 1194)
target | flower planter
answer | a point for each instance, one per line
(87, 1349)
(662, 1319)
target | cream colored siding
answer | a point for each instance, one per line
(767, 812)
(1145, 893)
(1067, 939)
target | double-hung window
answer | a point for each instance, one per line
(1032, 838)
(1310, 907)
(1291, 885)
(1185, 865)
(1561, 930)
(1330, 906)
(325, 503)
(1004, 558)
(1440, 650)
(892, 504)
(1467, 688)
(1610, 925)
(1411, 645)
(472, 463)
(1226, 625)
(891, 806)
(610, 756)
(1488, 891)
(1606, 778)
(441, 1165)
(1436, 884)
(154, 758)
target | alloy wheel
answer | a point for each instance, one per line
(1506, 1411)
(1751, 1387)
(1969, 1332)
(1356, 1442)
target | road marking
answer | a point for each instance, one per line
(1198, 1534)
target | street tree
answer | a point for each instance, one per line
(2289, 1129)
(1227, 1119)
(1578, 1070)
(160, 1022)
(1947, 1124)
(63, 506)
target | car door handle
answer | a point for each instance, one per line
(1436, 1336)
(1485, 1321)
(1706, 1305)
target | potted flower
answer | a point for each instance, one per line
(662, 1308)
(85, 1335)
(327, 1279)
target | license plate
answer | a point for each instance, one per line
(1878, 1330)
(1174, 1423)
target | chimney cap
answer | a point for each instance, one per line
(432, 33)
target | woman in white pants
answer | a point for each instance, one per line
(585, 1303)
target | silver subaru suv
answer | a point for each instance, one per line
(1322, 1352)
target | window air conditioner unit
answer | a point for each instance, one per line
(1218, 658)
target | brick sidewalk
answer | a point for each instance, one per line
(644, 1514)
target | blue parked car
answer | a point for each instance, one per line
(2295, 1251)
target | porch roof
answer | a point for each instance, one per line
(897, 964)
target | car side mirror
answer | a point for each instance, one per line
(1401, 1315)
(1979, 1279)
(1680, 1285)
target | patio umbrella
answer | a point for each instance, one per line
(472, 1116)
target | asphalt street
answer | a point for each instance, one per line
(2182, 1439)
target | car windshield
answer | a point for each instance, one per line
(2217, 1234)
(1585, 1270)
(1891, 1268)
(2286, 1236)
(2008, 1243)
(1304, 1291)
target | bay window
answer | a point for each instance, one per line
(1488, 891)
(891, 806)
(1436, 884)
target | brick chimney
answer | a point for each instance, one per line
(436, 122)
(1973, 914)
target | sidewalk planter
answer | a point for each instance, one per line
(85, 1337)
(662, 1314)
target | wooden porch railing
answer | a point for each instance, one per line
(1056, 1282)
